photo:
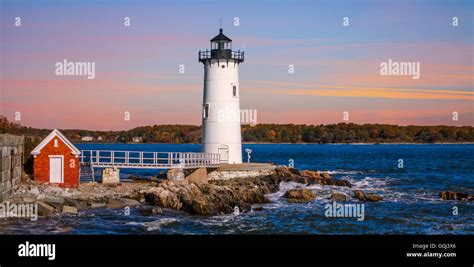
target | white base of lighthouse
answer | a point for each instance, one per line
(229, 153)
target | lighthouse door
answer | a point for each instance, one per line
(224, 152)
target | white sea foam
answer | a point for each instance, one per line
(221, 219)
(395, 196)
(375, 185)
(156, 225)
(284, 186)
(134, 223)
(368, 183)
(382, 186)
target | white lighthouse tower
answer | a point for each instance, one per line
(221, 106)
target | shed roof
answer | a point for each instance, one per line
(56, 132)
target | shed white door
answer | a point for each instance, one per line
(55, 169)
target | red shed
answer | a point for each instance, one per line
(56, 161)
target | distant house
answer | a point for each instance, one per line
(137, 139)
(87, 138)
(56, 161)
(99, 138)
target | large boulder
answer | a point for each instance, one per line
(290, 174)
(114, 203)
(218, 197)
(339, 183)
(311, 174)
(79, 204)
(323, 178)
(160, 196)
(55, 201)
(326, 175)
(130, 202)
(69, 209)
(299, 195)
(34, 191)
(45, 209)
(294, 171)
(29, 200)
(360, 195)
(338, 197)
(198, 176)
(95, 204)
(373, 198)
(283, 171)
(147, 211)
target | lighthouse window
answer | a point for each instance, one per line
(205, 111)
(223, 66)
(234, 90)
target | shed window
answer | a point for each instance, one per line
(55, 142)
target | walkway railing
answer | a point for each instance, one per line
(148, 160)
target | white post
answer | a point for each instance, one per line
(249, 151)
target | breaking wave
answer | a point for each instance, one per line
(369, 183)
(156, 225)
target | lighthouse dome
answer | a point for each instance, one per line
(221, 37)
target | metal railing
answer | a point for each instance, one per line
(148, 160)
(221, 54)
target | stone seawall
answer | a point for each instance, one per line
(11, 168)
(227, 175)
(246, 170)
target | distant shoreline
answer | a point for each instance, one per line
(263, 143)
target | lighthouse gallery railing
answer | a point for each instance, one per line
(148, 160)
(235, 55)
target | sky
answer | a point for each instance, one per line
(336, 67)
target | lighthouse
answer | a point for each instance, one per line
(221, 105)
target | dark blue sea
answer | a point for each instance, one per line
(410, 204)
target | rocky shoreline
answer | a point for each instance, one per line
(210, 197)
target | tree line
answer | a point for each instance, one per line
(264, 133)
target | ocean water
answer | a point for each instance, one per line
(410, 202)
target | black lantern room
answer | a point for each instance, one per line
(221, 49)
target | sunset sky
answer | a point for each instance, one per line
(336, 68)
